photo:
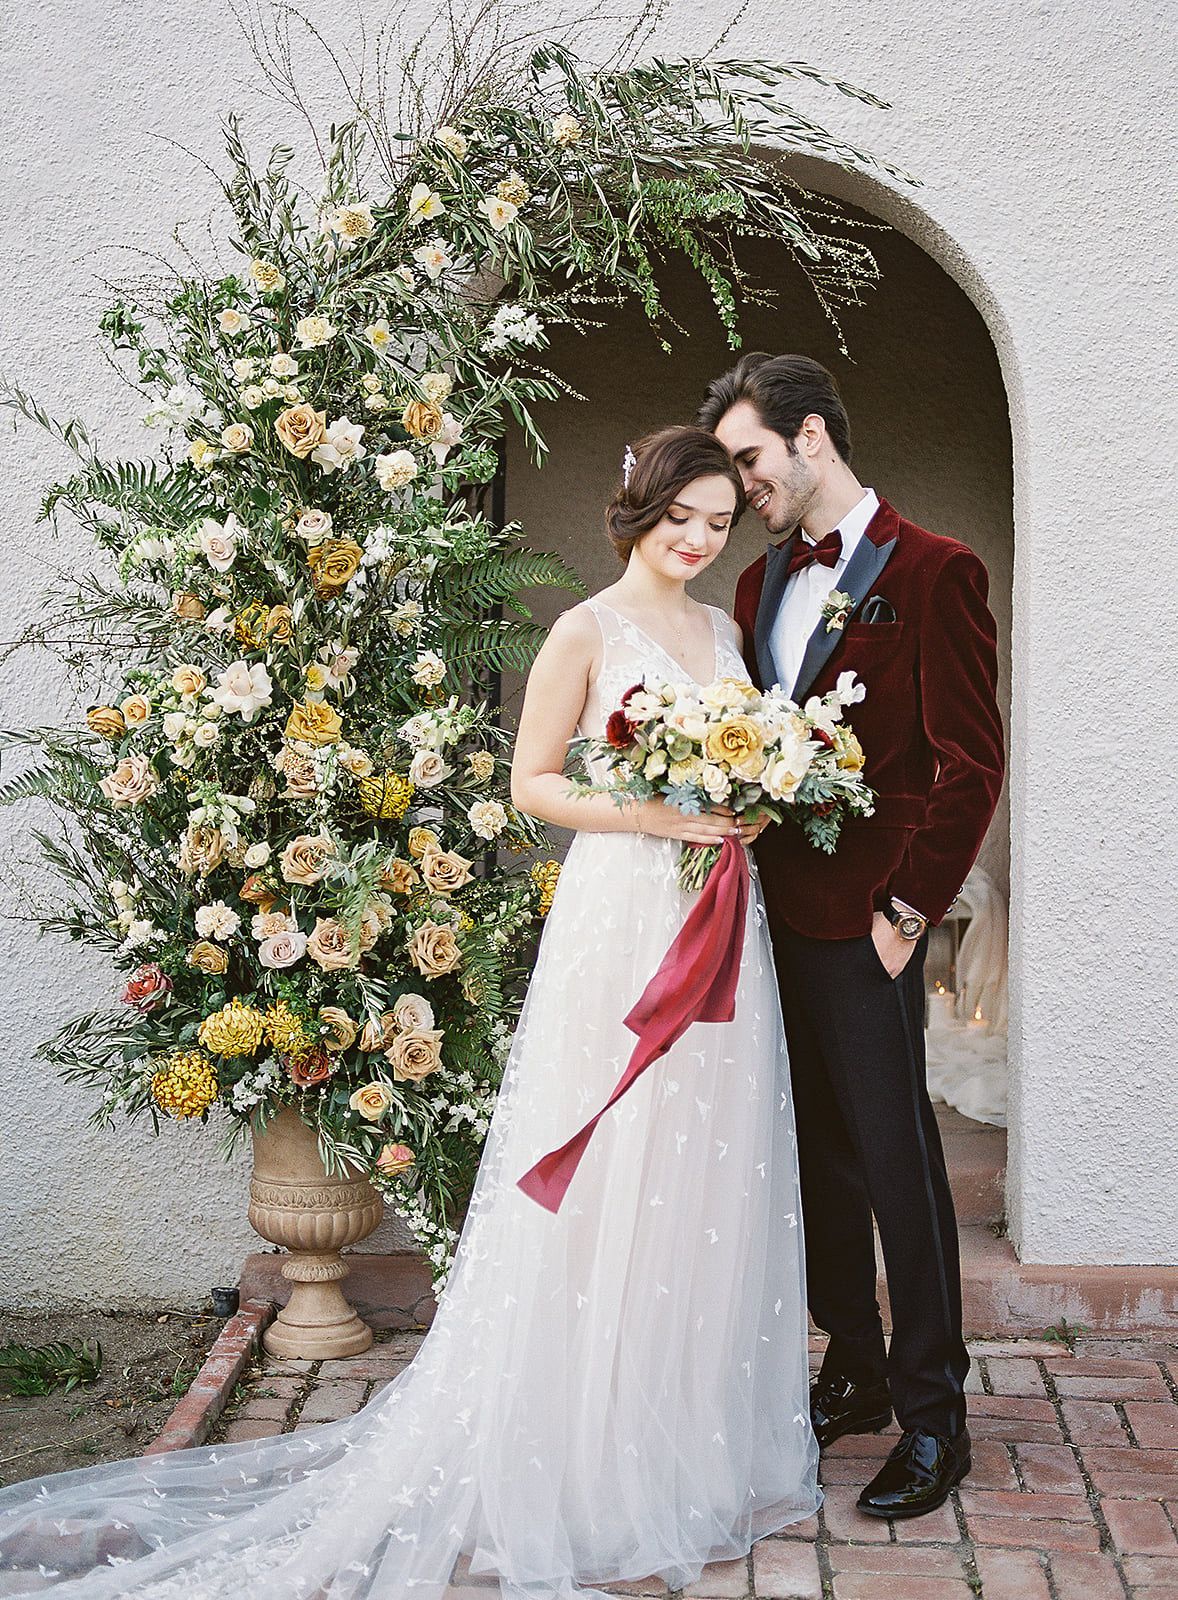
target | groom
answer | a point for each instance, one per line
(850, 930)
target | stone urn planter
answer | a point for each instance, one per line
(296, 1204)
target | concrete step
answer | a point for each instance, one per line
(1001, 1296)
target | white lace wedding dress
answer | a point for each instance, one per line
(615, 1391)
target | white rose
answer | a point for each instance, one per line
(243, 689)
(281, 950)
(257, 856)
(244, 368)
(283, 365)
(437, 387)
(341, 448)
(427, 770)
(174, 724)
(205, 735)
(218, 542)
(313, 525)
(231, 321)
(715, 781)
(314, 331)
(252, 396)
(413, 1013)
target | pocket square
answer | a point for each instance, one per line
(877, 609)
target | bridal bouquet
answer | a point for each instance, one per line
(729, 744)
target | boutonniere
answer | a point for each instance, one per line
(835, 610)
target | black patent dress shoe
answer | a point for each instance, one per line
(839, 1405)
(917, 1476)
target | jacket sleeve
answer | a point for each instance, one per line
(958, 678)
(748, 597)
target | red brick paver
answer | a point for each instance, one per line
(1073, 1495)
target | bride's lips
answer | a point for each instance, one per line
(686, 555)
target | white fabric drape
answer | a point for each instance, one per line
(967, 1058)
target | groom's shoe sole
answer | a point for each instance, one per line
(921, 1510)
(875, 1424)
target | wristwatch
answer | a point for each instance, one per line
(908, 924)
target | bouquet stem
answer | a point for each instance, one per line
(695, 863)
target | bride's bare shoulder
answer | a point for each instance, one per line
(576, 627)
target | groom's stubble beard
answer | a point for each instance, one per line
(793, 494)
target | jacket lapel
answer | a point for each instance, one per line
(772, 589)
(862, 572)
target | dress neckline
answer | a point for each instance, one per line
(700, 683)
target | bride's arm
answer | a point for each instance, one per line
(553, 702)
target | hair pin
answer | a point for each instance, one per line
(629, 462)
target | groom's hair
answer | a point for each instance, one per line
(785, 391)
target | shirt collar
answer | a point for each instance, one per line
(854, 525)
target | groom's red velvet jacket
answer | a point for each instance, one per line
(930, 728)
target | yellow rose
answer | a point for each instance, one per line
(398, 877)
(434, 951)
(848, 750)
(305, 858)
(202, 454)
(279, 624)
(332, 563)
(188, 606)
(188, 679)
(136, 709)
(237, 437)
(372, 1101)
(106, 721)
(314, 724)
(738, 744)
(422, 420)
(445, 870)
(413, 1056)
(301, 429)
(340, 1031)
(208, 957)
(421, 840)
(330, 948)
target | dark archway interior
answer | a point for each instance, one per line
(922, 386)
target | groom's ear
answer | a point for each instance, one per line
(812, 436)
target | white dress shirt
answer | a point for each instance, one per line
(807, 591)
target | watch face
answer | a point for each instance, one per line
(911, 927)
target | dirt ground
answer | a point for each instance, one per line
(147, 1363)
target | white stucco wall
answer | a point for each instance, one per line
(1036, 131)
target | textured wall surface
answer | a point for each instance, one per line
(1035, 131)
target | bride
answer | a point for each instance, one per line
(615, 1391)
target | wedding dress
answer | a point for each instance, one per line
(611, 1392)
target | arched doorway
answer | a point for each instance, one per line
(925, 391)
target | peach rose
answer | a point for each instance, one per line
(434, 951)
(738, 744)
(136, 709)
(201, 849)
(301, 429)
(279, 624)
(299, 772)
(148, 988)
(313, 524)
(277, 951)
(187, 679)
(305, 858)
(395, 1159)
(412, 1013)
(330, 948)
(413, 1056)
(340, 1029)
(314, 723)
(188, 606)
(257, 892)
(131, 782)
(372, 1101)
(107, 721)
(398, 877)
(237, 437)
(422, 420)
(208, 957)
(445, 870)
(310, 1068)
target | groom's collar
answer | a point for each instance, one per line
(853, 526)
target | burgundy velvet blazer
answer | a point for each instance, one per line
(930, 728)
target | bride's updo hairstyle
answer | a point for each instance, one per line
(664, 464)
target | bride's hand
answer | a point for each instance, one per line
(711, 828)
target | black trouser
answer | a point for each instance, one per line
(868, 1142)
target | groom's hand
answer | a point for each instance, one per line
(892, 950)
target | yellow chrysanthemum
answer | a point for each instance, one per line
(385, 794)
(185, 1084)
(235, 1030)
(546, 875)
(249, 626)
(286, 1031)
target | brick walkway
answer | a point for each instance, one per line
(1073, 1494)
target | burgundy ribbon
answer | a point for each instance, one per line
(696, 982)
